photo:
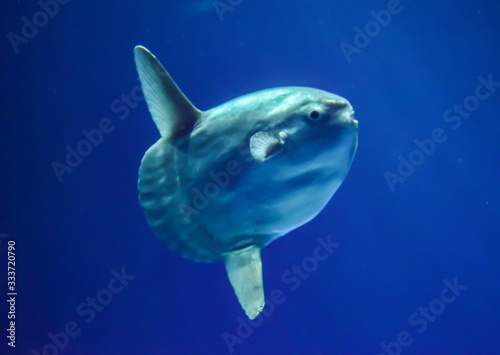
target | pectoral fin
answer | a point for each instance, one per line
(244, 268)
(264, 145)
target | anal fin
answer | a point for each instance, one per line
(244, 269)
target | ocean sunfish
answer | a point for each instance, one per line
(220, 185)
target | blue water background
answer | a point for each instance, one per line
(397, 248)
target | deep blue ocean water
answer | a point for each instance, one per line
(416, 262)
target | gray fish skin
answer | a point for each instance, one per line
(220, 185)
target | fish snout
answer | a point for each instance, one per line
(342, 114)
(352, 122)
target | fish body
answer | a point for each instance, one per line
(221, 184)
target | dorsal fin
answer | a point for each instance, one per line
(173, 114)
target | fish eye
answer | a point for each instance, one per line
(314, 115)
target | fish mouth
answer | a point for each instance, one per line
(350, 126)
(342, 114)
(353, 121)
